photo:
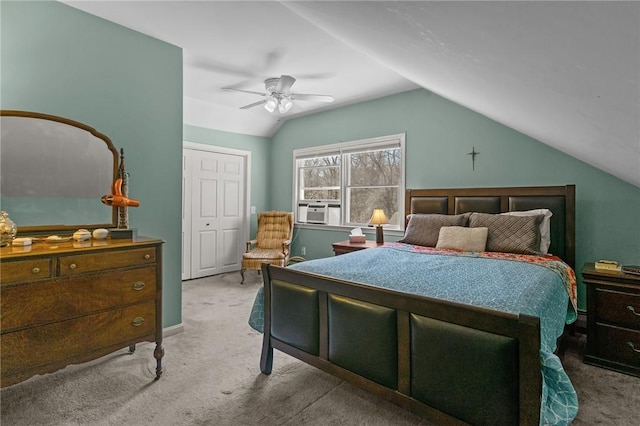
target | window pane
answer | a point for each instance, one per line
(362, 201)
(329, 160)
(373, 168)
(319, 177)
(321, 194)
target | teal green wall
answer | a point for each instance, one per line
(259, 148)
(439, 134)
(61, 61)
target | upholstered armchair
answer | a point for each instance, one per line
(272, 242)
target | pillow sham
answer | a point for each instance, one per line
(510, 234)
(423, 229)
(545, 225)
(461, 238)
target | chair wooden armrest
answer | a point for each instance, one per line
(285, 246)
(250, 243)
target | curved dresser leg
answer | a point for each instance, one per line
(132, 348)
(158, 353)
(242, 275)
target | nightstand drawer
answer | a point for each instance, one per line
(619, 344)
(618, 308)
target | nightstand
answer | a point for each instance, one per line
(613, 320)
(347, 246)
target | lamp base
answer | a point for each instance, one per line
(379, 235)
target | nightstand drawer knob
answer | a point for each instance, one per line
(138, 321)
(633, 347)
(633, 311)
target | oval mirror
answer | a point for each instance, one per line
(53, 172)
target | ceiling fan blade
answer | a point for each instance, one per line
(224, 68)
(285, 83)
(243, 91)
(255, 104)
(307, 97)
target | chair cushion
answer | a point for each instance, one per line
(256, 257)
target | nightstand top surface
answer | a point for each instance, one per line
(590, 269)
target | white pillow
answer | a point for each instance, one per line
(545, 225)
(462, 238)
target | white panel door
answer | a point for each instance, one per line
(186, 215)
(217, 206)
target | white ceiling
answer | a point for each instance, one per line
(566, 73)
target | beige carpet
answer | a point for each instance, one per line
(212, 377)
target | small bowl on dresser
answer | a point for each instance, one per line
(100, 233)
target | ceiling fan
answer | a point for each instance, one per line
(278, 96)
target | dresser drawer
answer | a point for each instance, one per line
(25, 270)
(618, 308)
(59, 343)
(59, 299)
(79, 264)
(619, 344)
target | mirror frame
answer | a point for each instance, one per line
(41, 229)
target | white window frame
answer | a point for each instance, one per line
(343, 149)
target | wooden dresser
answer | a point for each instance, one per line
(613, 320)
(72, 302)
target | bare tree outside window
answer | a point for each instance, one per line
(355, 177)
(374, 177)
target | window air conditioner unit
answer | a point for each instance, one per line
(317, 213)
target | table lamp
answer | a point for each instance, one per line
(378, 218)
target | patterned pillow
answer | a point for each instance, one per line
(545, 225)
(461, 238)
(510, 234)
(423, 229)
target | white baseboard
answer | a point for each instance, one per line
(174, 329)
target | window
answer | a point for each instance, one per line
(341, 184)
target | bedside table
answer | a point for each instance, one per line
(613, 320)
(347, 246)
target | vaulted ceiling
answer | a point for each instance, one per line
(565, 73)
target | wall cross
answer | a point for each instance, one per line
(473, 154)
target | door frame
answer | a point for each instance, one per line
(247, 189)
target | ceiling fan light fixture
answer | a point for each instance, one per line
(271, 104)
(285, 105)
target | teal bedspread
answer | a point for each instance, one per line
(508, 283)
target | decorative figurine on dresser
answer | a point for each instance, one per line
(69, 293)
(613, 317)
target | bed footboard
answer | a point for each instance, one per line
(448, 362)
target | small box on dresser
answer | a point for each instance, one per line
(613, 319)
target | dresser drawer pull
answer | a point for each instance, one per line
(633, 347)
(138, 285)
(147, 256)
(72, 266)
(633, 311)
(138, 321)
(36, 270)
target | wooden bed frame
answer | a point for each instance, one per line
(448, 362)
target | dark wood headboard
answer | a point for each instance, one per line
(559, 199)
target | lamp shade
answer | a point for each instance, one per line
(378, 217)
